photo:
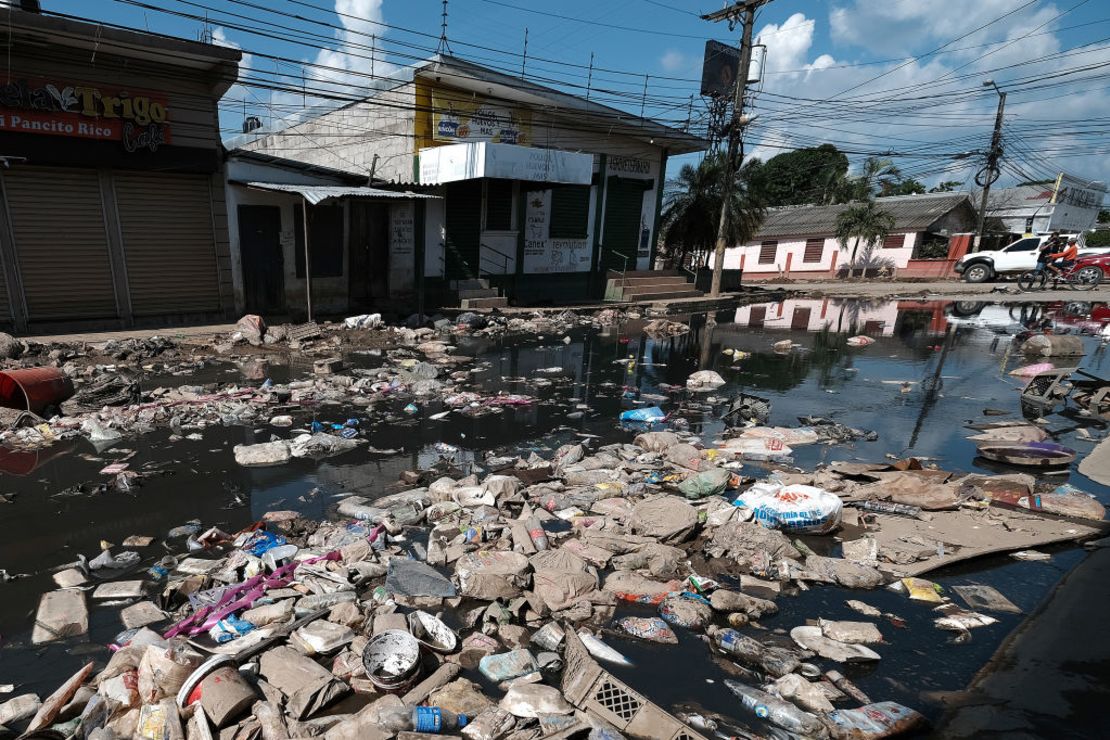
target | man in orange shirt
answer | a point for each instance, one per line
(1061, 261)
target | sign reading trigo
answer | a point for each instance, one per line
(38, 107)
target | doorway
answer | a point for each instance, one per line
(369, 247)
(263, 260)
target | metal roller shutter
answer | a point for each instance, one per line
(166, 222)
(61, 242)
(624, 201)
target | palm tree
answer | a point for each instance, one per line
(692, 209)
(865, 222)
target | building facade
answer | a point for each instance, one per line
(1068, 205)
(539, 191)
(112, 186)
(801, 240)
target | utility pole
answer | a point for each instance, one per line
(745, 9)
(986, 176)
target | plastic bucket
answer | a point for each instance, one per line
(392, 660)
(34, 388)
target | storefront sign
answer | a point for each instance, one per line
(137, 120)
(456, 162)
(629, 166)
(402, 243)
(458, 117)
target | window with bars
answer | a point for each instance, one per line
(815, 250)
(767, 252)
(894, 241)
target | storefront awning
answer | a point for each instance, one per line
(316, 193)
(456, 162)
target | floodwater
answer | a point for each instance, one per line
(933, 367)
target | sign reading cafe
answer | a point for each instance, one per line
(137, 120)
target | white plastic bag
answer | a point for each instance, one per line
(802, 509)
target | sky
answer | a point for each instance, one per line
(895, 78)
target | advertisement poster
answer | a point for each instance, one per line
(402, 243)
(543, 254)
(456, 118)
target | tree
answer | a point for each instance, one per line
(802, 176)
(864, 222)
(692, 209)
(1098, 238)
(947, 186)
(1103, 216)
(905, 187)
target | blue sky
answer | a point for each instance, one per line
(871, 76)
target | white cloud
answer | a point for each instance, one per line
(673, 61)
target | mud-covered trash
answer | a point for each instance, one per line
(687, 610)
(669, 519)
(704, 380)
(492, 724)
(534, 700)
(225, 695)
(874, 721)
(307, 686)
(490, 575)
(987, 598)
(633, 587)
(19, 708)
(549, 637)
(262, 454)
(775, 660)
(656, 441)
(857, 633)
(363, 321)
(432, 633)
(597, 647)
(507, 666)
(412, 578)
(250, 327)
(392, 660)
(812, 638)
(743, 540)
(724, 600)
(805, 694)
(61, 614)
(1053, 345)
(652, 629)
(665, 328)
(706, 483)
(860, 340)
(321, 637)
(320, 446)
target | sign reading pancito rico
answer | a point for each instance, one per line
(139, 121)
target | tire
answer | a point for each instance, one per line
(979, 272)
(1087, 278)
(1031, 280)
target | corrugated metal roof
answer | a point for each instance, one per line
(910, 212)
(316, 193)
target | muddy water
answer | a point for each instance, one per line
(932, 367)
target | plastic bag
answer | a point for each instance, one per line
(706, 483)
(803, 509)
(650, 414)
(653, 629)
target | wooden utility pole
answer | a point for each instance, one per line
(745, 10)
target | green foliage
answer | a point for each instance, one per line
(868, 225)
(1104, 216)
(692, 208)
(905, 187)
(803, 176)
(1100, 238)
(947, 186)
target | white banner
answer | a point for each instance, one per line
(456, 162)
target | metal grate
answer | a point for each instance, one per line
(617, 700)
(684, 735)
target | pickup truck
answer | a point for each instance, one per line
(1013, 259)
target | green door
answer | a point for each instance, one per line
(624, 202)
(463, 229)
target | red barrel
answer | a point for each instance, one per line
(34, 388)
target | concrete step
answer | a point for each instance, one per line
(676, 280)
(479, 293)
(497, 302)
(471, 284)
(645, 273)
(653, 287)
(664, 295)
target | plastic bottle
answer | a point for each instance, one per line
(535, 531)
(396, 719)
(777, 711)
(435, 720)
(844, 684)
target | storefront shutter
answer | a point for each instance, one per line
(570, 212)
(166, 221)
(624, 200)
(61, 242)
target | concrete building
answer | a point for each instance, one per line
(1069, 205)
(800, 241)
(541, 191)
(112, 186)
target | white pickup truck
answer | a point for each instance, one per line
(1014, 259)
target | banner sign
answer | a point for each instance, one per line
(457, 117)
(441, 164)
(139, 120)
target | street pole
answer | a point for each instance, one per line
(746, 10)
(990, 172)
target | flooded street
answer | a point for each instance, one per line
(932, 368)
